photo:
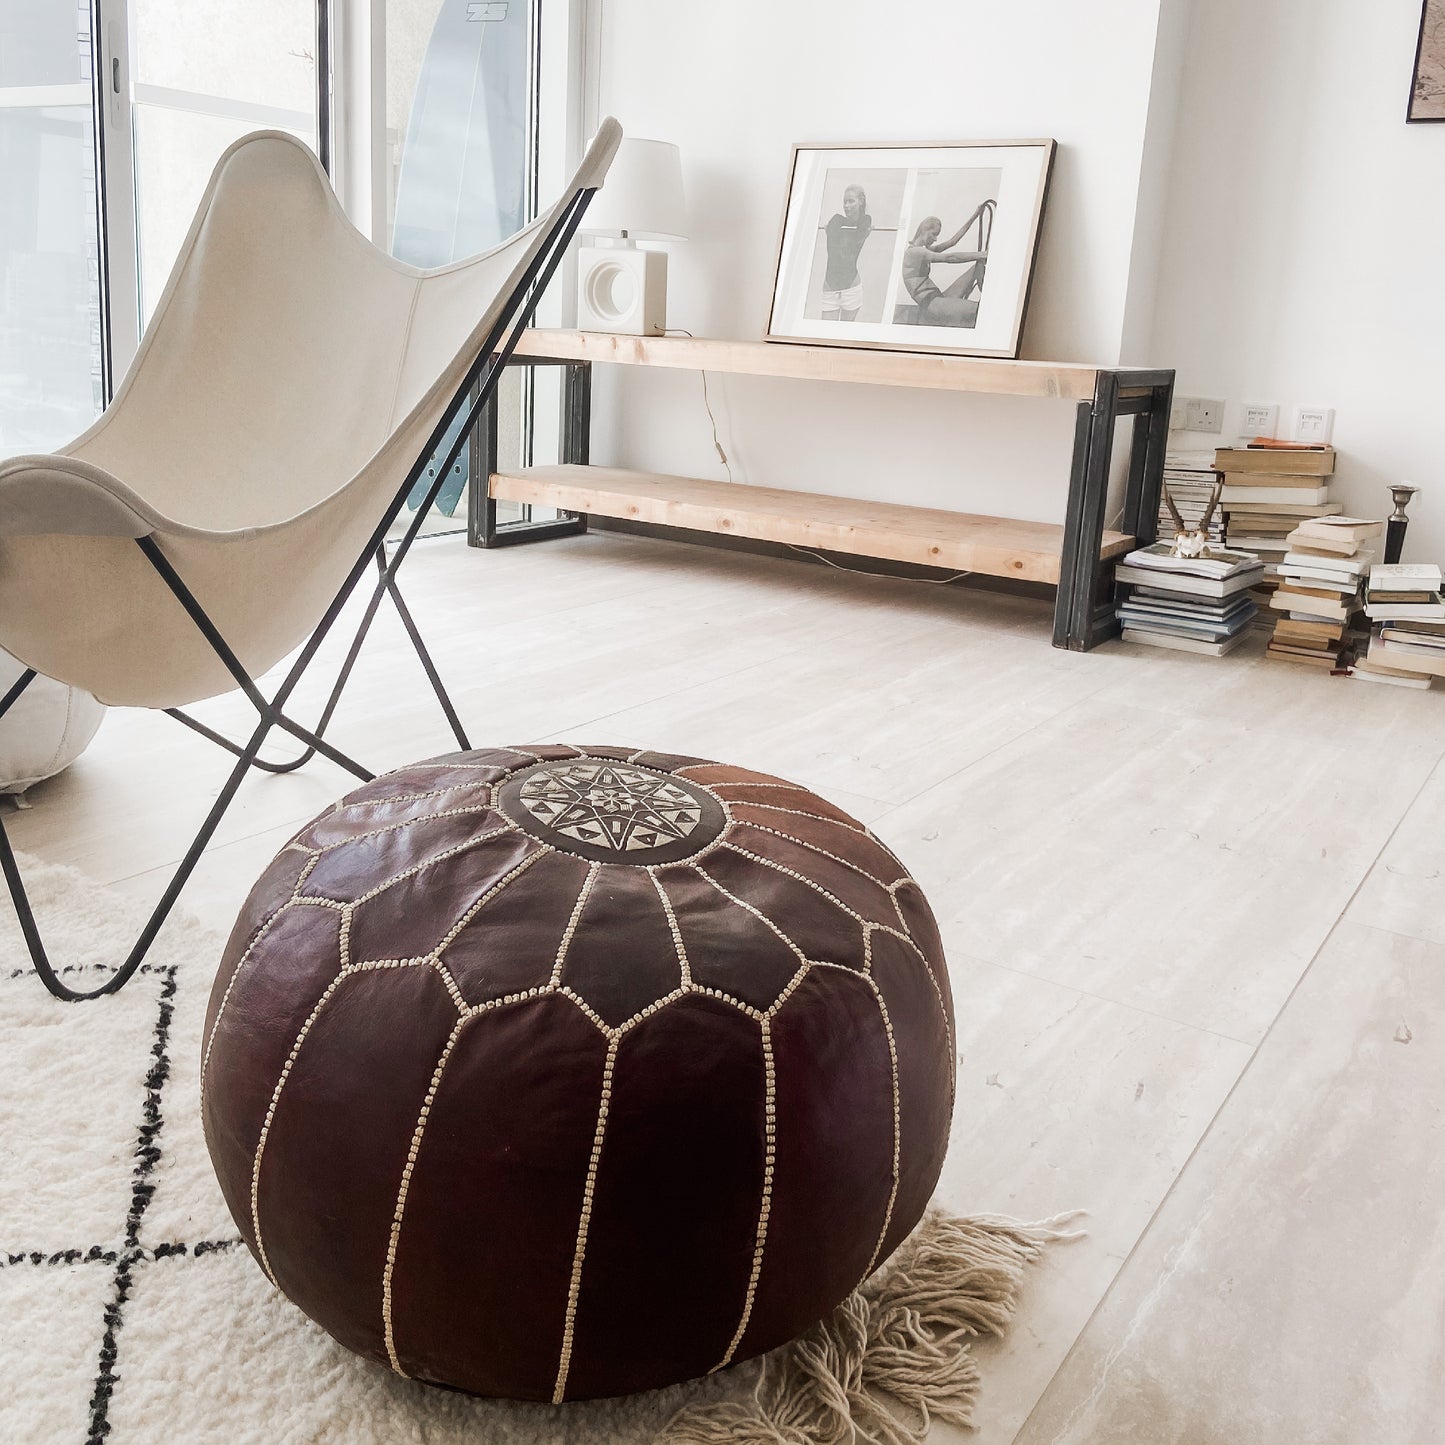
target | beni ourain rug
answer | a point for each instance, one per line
(131, 1312)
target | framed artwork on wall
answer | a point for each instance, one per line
(1427, 91)
(913, 248)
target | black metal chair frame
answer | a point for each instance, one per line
(474, 393)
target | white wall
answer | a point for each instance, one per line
(736, 85)
(1304, 260)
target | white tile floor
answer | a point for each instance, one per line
(1193, 909)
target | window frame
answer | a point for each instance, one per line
(114, 99)
(351, 141)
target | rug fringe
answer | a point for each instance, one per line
(896, 1355)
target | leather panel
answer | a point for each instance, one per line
(413, 916)
(269, 1001)
(816, 831)
(823, 931)
(860, 891)
(666, 762)
(834, 1168)
(512, 944)
(787, 796)
(338, 1144)
(623, 956)
(484, 1259)
(376, 853)
(398, 806)
(675, 1215)
(923, 930)
(723, 775)
(728, 948)
(274, 889)
(925, 1081)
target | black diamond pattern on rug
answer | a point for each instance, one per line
(131, 1257)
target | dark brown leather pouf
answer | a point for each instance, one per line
(555, 1073)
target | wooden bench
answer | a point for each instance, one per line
(1075, 556)
(995, 546)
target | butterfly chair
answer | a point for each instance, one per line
(287, 396)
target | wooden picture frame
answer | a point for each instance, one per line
(1427, 83)
(911, 247)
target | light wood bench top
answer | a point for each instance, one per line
(820, 363)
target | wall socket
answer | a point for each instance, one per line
(1314, 424)
(1201, 413)
(1259, 419)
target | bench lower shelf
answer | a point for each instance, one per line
(960, 541)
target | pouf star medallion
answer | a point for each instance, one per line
(556, 1073)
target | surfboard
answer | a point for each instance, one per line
(462, 185)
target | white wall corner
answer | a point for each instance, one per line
(1171, 42)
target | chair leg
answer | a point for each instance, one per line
(49, 975)
(235, 749)
(315, 744)
(247, 758)
(13, 696)
(433, 676)
(313, 740)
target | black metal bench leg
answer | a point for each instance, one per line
(1082, 616)
(483, 529)
(1146, 465)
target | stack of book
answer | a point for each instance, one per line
(1319, 589)
(1191, 604)
(1269, 490)
(1190, 479)
(1408, 646)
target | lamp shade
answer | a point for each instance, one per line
(642, 195)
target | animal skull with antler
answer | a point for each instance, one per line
(1193, 542)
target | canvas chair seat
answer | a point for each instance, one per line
(285, 388)
(287, 396)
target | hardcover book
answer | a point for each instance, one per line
(1278, 461)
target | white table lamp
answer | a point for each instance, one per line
(621, 287)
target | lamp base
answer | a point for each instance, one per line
(621, 288)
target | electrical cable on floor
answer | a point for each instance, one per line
(863, 571)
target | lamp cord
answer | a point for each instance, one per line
(793, 546)
(707, 402)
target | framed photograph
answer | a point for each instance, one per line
(915, 248)
(1427, 92)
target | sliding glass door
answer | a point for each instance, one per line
(114, 112)
(461, 161)
(112, 115)
(52, 381)
(203, 74)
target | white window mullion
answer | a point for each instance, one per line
(358, 68)
(563, 130)
(118, 212)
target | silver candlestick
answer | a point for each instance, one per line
(1398, 522)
